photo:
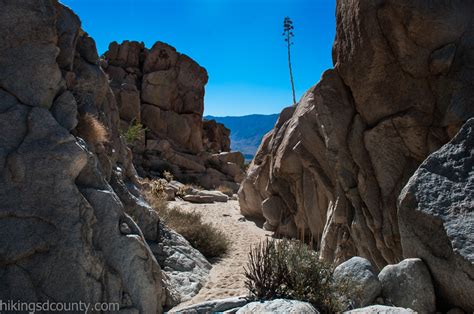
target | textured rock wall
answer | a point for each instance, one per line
(402, 85)
(164, 90)
(65, 232)
(436, 218)
(216, 137)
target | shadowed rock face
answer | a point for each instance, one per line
(436, 217)
(402, 85)
(65, 233)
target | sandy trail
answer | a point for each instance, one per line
(226, 277)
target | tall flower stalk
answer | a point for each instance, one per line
(288, 35)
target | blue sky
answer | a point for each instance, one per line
(239, 42)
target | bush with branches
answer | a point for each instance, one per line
(292, 270)
(133, 132)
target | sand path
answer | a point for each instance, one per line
(226, 277)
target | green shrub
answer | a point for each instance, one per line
(292, 270)
(202, 236)
(134, 131)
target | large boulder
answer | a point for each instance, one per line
(364, 285)
(185, 269)
(400, 88)
(436, 217)
(66, 234)
(408, 284)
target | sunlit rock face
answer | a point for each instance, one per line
(332, 168)
(164, 91)
(65, 232)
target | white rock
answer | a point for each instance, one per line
(278, 306)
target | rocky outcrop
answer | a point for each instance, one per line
(401, 87)
(66, 175)
(436, 218)
(216, 137)
(185, 269)
(160, 96)
(408, 284)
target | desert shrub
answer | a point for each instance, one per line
(184, 190)
(226, 190)
(168, 176)
(202, 236)
(156, 196)
(133, 132)
(292, 270)
(157, 189)
(91, 130)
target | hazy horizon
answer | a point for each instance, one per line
(238, 42)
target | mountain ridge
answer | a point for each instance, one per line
(246, 131)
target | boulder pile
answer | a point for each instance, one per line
(160, 96)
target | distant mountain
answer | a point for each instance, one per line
(246, 132)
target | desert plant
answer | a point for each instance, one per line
(204, 237)
(288, 35)
(168, 176)
(133, 132)
(91, 130)
(290, 269)
(157, 189)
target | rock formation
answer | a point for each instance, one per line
(164, 91)
(408, 284)
(66, 233)
(401, 87)
(365, 286)
(436, 218)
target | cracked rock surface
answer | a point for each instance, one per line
(334, 165)
(65, 232)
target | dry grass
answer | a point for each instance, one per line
(92, 130)
(168, 176)
(202, 236)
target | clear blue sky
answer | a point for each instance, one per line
(239, 42)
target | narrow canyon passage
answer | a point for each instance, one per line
(226, 278)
